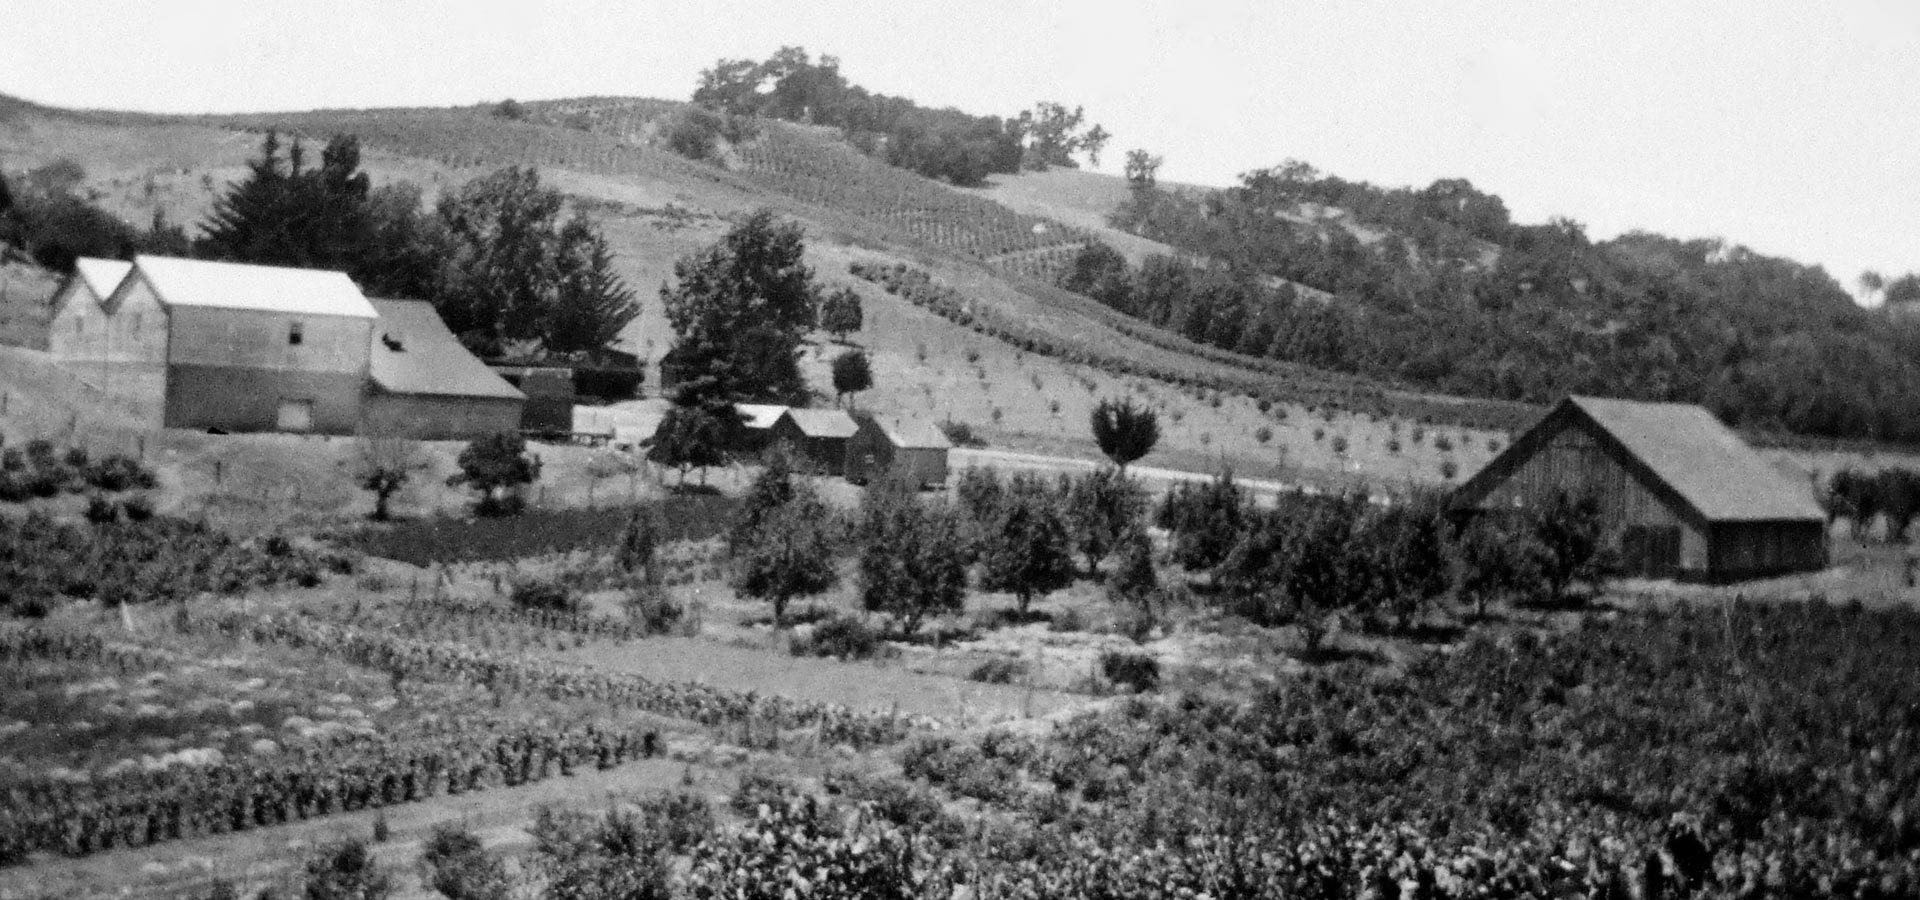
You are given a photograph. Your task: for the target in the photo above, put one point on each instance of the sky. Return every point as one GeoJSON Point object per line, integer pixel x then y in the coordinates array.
{"type": "Point", "coordinates": [1790, 127]}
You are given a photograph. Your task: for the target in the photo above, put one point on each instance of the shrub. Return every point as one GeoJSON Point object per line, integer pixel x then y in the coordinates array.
{"type": "Point", "coordinates": [1263, 434]}
{"type": "Point", "coordinates": [1067, 621]}
{"type": "Point", "coordinates": [1264, 405]}
{"type": "Point", "coordinates": [458, 866]}
{"type": "Point", "coordinates": [841, 637]}
{"type": "Point", "coordinates": [681, 820]}
{"type": "Point", "coordinates": [544, 595]}
{"type": "Point", "coordinates": [1393, 445]}
{"type": "Point", "coordinates": [653, 609]}
{"type": "Point", "coordinates": [1137, 671]}
{"type": "Point", "coordinates": [346, 871]}
{"type": "Point", "coordinates": [102, 511]}
{"type": "Point", "coordinates": [1448, 469]}
{"type": "Point", "coordinates": [1443, 443]}
{"type": "Point", "coordinates": [760, 787]}
{"type": "Point", "coordinates": [1340, 443]}
{"type": "Point", "coordinates": [960, 434]}
{"type": "Point", "coordinates": [137, 508]}
{"type": "Point", "coordinates": [118, 473]}
{"type": "Point", "coordinates": [998, 671]}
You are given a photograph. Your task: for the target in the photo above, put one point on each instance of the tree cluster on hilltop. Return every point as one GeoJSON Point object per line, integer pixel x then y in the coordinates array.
{"type": "Point", "coordinates": [46, 217]}
{"type": "Point", "coordinates": [1438, 288]}
{"type": "Point", "coordinates": [945, 144]}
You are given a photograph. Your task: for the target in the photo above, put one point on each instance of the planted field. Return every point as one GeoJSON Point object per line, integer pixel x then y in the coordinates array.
{"type": "Point", "coordinates": [538, 532]}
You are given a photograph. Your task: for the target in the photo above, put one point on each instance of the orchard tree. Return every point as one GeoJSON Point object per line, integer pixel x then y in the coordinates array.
{"type": "Point", "coordinates": [739, 310]}
{"type": "Point", "coordinates": [851, 374]}
{"type": "Point", "coordinates": [1102, 507]}
{"type": "Point", "coordinates": [913, 561]}
{"type": "Point", "coordinates": [499, 467]}
{"type": "Point", "coordinates": [1124, 430]}
{"type": "Point", "coordinates": [788, 554]}
{"type": "Point", "coordinates": [1030, 549]}
{"type": "Point", "coordinates": [385, 466]}
{"type": "Point", "coordinates": [690, 437]}
{"type": "Point", "coordinates": [840, 313]}
{"type": "Point", "coordinates": [1572, 534]}
{"type": "Point", "coordinates": [772, 489]}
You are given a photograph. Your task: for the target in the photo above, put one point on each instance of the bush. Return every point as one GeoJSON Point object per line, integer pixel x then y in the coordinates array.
{"type": "Point", "coordinates": [760, 787]}
{"type": "Point", "coordinates": [960, 434]}
{"type": "Point", "coordinates": [998, 671]}
{"type": "Point", "coordinates": [544, 595]}
{"type": "Point", "coordinates": [1137, 671]}
{"type": "Point", "coordinates": [117, 473]}
{"type": "Point", "coordinates": [653, 609]}
{"type": "Point", "coordinates": [841, 637]}
{"type": "Point", "coordinates": [137, 508]}
{"type": "Point", "coordinates": [680, 820]}
{"type": "Point", "coordinates": [102, 511]}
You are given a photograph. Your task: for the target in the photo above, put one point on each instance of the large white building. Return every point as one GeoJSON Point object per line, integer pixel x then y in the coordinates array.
{"type": "Point", "coordinates": [262, 348]}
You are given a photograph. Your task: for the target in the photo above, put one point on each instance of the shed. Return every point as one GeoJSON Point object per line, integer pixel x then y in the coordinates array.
{"type": "Point", "coordinates": [755, 431]}
{"type": "Point", "coordinates": [818, 437]}
{"type": "Point", "coordinates": [550, 397]}
{"type": "Point", "coordinates": [911, 450]}
{"type": "Point", "coordinates": [1680, 493]}
{"type": "Point", "coordinates": [427, 386]}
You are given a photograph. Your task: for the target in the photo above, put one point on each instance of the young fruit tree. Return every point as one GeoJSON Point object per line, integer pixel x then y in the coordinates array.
{"type": "Point", "coordinates": [1030, 551]}
{"type": "Point", "coordinates": [1102, 507]}
{"type": "Point", "coordinates": [499, 467]}
{"type": "Point", "coordinates": [385, 465]}
{"type": "Point", "coordinates": [1124, 430]}
{"type": "Point", "coordinates": [913, 563]}
{"type": "Point", "coordinates": [789, 554]}
{"type": "Point", "coordinates": [851, 374]}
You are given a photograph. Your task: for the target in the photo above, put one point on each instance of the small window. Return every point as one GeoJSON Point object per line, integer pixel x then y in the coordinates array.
{"type": "Point", "coordinates": [79, 325]}
{"type": "Point", "coordinates": [133, 321]}
{"type": "Point", "coordinates": [294, 334]}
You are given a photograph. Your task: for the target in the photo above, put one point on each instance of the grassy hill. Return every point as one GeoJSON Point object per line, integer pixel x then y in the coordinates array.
{"type": "Point", "coordinates": [606, 155]}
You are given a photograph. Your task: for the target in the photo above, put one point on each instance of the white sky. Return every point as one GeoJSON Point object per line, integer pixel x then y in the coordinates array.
{"type": "Point", "coordinates": [1792, 127]}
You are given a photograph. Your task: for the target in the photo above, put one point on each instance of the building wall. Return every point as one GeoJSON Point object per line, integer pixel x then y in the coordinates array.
{"type": "Point", "coordinates": [428, 418]}
{"type": "Point", "coordinates": [123, 352]}
{"type": "Point", "coordinates": [249, 399]}
{"type": "Point", "coordinates": [869, 453]}
{"type": "Point", "coordinates": [1752, 549]}
{"type": "Point", "coordinates": [818, 455]}
{"type": "Point", "coordinates": [1573, 460]}
{"type": "Point", "coordinates": [256, 339]}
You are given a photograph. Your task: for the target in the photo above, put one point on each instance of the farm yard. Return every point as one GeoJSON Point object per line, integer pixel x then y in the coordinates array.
{"type": "Point", "coordinates": [1262, 656]}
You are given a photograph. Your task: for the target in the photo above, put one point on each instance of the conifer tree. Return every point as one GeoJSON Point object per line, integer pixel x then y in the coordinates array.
{"type": "Point", "coordinates": [590, 304]}
{"type": "Point", "coordinates": [851, 373]}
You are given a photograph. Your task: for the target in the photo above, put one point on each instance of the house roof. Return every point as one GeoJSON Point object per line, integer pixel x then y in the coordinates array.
{"type": "Point", "coordinates": [914, 434]}
{"type": "Point", "coordinates": [823, 423]}
{"type": "Point", "coordinates": [101, 276]}
{"type": "Point", "coordinates": [308, 292]}
{"type": "Point", "coordinates": [414, 353]}
{"type": "Point", "coordinates": [759, 415]}
{"type": "Point", "coordinates": [1702, 460]}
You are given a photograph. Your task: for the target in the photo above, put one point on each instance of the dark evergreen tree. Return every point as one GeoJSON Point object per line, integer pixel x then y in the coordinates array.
{"type": "Point", "coordinates": [691, 437]}
{"type": "Point", "coordinates": [1124, 430]}
{"type": "Point", "coordinates": [590, 304]}
{"type": "Point", "coordinates": [285, 214]}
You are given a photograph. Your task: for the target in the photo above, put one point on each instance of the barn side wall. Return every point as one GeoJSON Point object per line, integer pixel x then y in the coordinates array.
{"type": "Point", "coordinates": [256, 339]}
{"type": "Point", "coordinates": [1754, 549]}
{"type": "Point", "coordinates": [428, 418]}
{"type": "Point", "coordinates": [248, 399]}
{"type": "Point", "coordinates": [1573, 460]}
{"type": "Point", "coordinates": [123, 353]}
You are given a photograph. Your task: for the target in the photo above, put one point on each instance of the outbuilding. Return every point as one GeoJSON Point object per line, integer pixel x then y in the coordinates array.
{"type": "Point", "coordinates": [427, 386]}
{"type": "Point", "coordinates": [549, 397]}
{"type": "Point", "coordinates": [818, 437]}
{"type": "Point", "coordinates": [1681, 494]}
{"type": "Point", "coordinates": [909, 450]}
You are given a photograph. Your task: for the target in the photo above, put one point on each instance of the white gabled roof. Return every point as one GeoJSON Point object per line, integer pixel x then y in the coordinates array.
{"type": "Point", "coordinates": [759, 415]}
{"type": "Point", "coordinates": [310, 292]}
{"type": "Point", "coordinates": [101, 276]}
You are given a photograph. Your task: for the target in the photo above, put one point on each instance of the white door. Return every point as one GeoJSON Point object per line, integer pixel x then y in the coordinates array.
{"type": "Point", "coordinates": [296, 415]}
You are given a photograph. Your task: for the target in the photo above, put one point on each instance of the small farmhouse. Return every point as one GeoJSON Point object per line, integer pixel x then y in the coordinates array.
{"type": "Point", "coordinates": [426, 386]}
{"type": "Point", "coordinates": [755, 430]}
{"type": "Point", "coordinates": [818, 438]}
{"type": "Point", "coordinates": [912, 451]}
{"type": "Point", "coordinates": [1681, 493]}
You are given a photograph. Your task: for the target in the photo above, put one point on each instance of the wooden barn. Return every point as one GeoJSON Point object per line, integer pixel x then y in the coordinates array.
{"type": "Point", "coordinates": [754, 431]}
{"type": "Point", "coordinates": [818, 437]}
{"type": "Point", "coordinates": [913, 451]}
{"type": "Point", "coordinates": [1682, 495]}
{"type": "Point", "coordinates": [221, 345]}
{"type": "Point", "coordinates": [426, 386]}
